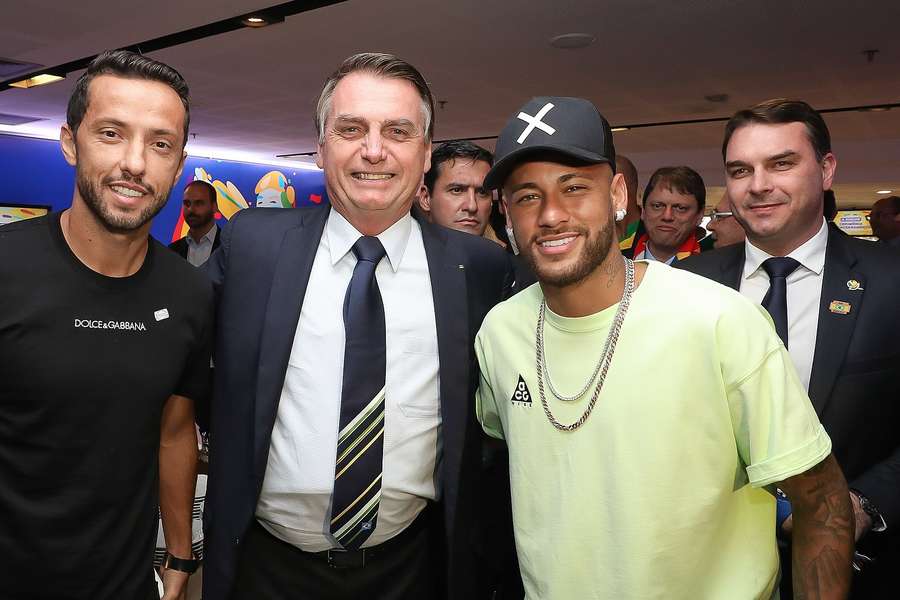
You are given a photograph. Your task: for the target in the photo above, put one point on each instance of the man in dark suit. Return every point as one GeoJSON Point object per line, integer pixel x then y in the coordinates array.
{"type": "Point", "coordinates": [199, 209]}
{"type": "Point", "coordinates": [833, 300]}
{"type": "Point", "coordinates": [345, 450]}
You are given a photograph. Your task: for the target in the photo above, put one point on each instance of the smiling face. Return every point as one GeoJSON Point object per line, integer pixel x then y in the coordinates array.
{"type": "Point", "coordinates": [775, 182]}
{"type": "Point", "coordinates": [562, 217]}
{"type": "Point", "coordinates": [374, 152]}
{"type": "Point", "coordinates": [127, 152]}
{"type": "Point", "coordinates": [459, 201]}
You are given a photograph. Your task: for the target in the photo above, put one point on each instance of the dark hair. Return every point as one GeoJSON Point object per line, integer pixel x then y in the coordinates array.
{"type": "Point", "coordinates": [829, 205]}
{"type": "Point", "coordinates": [683, 180]}
{"type": "Point", "coordinates": [779, 111]}
{"type": "Point", "coordinates": [210, 189]}
{"type": "Point", "coordinates": [451, 151]}
{"type": "Point", "coordinates": [383, 65]}
{"type": "Point", "coordinates": [123, 63]}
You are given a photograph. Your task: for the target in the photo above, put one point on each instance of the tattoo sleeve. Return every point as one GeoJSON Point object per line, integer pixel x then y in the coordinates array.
{"type": "Point", "coordinates": [822, 532]}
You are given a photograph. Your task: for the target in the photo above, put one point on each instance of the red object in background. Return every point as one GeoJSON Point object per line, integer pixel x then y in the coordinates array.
{"type": "Point", "coordinates": [176, 232]}
{"type": "Point", "coordinates": [315, 198]}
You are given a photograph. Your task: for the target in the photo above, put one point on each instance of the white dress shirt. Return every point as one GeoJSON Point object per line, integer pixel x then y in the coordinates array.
{"type": "Point", "coordinates": [649, 256]}
{"type": "Point", "coordinates": [804, 290]}
{"type": "Point", "coordinates": [198, 252]}
{"type": "Point", "coordinates": [299, 481]}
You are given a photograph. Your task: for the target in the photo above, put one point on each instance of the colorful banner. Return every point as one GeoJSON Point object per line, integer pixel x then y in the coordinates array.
{"type": "Point", "coordinates": [33, 172]}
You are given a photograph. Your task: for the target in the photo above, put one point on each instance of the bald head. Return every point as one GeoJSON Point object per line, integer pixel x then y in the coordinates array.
{"type": "Point", "coordinates": [885, 218]}
{"type": "Point", "coordinates": [626, 168]}
{"type": "Point", "coordinates": [632, 211]}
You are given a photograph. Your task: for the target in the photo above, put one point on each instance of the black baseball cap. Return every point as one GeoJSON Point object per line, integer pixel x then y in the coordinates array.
{"type": "Point", "coordinates": [569, 126]}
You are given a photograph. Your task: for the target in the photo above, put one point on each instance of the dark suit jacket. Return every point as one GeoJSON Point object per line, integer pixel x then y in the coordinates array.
{"type": "Point", "coordinates": [260, 275]}
{"type": "Point", "coordinates": [181, 246]}
{"type": "Point", "coordinates": [855, 380]}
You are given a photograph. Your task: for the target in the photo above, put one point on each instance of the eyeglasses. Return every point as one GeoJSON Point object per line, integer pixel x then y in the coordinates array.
{"type": "Point", "coordinates": [718, 216]}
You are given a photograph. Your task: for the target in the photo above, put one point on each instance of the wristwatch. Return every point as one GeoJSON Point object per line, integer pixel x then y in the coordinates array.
{"type": "Point", "coordinates": [185, 565]}
{"type": "Point", "coordinates": [878, 522]}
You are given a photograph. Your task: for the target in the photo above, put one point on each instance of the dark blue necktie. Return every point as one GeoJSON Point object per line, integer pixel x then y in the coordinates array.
{"type": "Point", "coordinates": [357, 474]}
{"type": "Point", "coordinates": [775, 301]}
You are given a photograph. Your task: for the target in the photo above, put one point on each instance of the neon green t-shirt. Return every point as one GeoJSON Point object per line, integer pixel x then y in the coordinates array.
{"type": "Point", "coordinates": [660, 493]}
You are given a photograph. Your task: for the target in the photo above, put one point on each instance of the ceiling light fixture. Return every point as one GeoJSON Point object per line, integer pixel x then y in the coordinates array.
{"type": "Point", "coordinates": [41, 79]}
{"type": "Point", "coordinates": [254, 21]}
{"type": "Point", "coordinates": [884, 191]}
{"type": "Point", "coordinates": [615, 129]}
{"type": "Point", "coordinates": [572, 41]}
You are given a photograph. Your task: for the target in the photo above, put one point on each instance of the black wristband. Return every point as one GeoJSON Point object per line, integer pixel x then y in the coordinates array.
{"type": "Point", "coordinates": [185, 565]}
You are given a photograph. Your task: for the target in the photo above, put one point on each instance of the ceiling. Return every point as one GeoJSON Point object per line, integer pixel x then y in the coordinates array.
{"type": "Point", "coordinates": [254, 89]}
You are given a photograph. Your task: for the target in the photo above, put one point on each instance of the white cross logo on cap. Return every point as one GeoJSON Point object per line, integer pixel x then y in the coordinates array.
{"type": "Point", "coordinates": [535, 123]}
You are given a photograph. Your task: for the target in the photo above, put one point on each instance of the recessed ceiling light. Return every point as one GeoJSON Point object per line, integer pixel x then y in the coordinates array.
{"type": "Point", "coordinates": [884, 191]}
{"type": "Point", "coordinates": [255, 21]}
{"type": "Point", "coordinates": [572, 41]}
{"type": "Point", "coordinates": [42, 79]}
{"type": "Point", "coordinates": [615, 129]}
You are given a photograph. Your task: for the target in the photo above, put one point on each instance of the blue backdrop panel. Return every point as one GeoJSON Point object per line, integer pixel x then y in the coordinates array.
{"type": "Point", "coordinates": [33, 171]}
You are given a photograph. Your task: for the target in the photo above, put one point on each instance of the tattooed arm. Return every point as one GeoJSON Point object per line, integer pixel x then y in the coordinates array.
{"type": "Point", "coordinates": [822, 532]}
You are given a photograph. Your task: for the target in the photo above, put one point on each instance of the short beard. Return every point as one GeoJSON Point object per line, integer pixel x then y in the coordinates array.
{"type": "Point", "coordinates": [119, 223]}
{"type": "Point", "coordinates": [596, 248]}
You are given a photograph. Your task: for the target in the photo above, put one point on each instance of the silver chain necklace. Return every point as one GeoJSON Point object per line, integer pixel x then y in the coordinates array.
{"type": "Point", "coordinates": [609, 348]}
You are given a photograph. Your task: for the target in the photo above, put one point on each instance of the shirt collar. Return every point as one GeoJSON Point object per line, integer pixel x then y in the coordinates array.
{"type": "Point", "coordinates": [811, 254]}
{"type": "Point", "coordinates": [342, 235]}
{"type": "Point", "coordinates": [649, 256]}
{"type": "Point", "coordinates": [209, 235]}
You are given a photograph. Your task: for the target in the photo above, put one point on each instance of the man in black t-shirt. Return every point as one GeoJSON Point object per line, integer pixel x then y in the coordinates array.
{"type": "Point", "coordinates": [104, 346]}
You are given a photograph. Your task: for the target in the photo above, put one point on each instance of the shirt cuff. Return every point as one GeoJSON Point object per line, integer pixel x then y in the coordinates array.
{"type": "Point", "coordinates": [787, 465]}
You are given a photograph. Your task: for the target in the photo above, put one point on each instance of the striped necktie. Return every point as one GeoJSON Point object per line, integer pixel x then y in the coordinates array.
{"type": "Point", "coordinates": [357, 475]}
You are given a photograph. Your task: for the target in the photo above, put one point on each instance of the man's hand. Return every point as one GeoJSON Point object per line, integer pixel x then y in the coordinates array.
{"type": "Point", "coordinates": [174, 584]}
{"type": "Point", "coordinates": [822, 524]}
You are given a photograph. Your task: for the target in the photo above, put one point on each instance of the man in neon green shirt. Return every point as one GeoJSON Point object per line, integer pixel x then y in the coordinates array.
{"type": "Point", "coordinates": [638, 471]}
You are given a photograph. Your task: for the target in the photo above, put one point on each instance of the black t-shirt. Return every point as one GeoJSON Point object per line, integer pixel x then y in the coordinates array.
{"type": "Point", "coordinates": [86, 364]}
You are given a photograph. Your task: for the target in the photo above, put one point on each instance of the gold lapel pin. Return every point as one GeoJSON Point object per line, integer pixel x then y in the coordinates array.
{"type": "Point", "coordinates": [839, 307]}
{"type": "Point", "coordinates": [853, 285]}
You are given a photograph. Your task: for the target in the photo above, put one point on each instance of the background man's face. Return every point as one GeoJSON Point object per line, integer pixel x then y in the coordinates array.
{"type": "Point", "coordinates": [670, 216]}
{"type": "Point", "coordinates": [726, 230]}
{"type": "Point", "coordinates": [458, 200]}
{"type": "Point", "coordinates": [884, 221]}
{"type": "Point", "coordinates": [197, 207]}
{"type": "Point", "coordinates": [775, 183]}
{"type": "Point", "coordinates": [375, 152]}
{"type": "Point", "coordinates": [128, 150]}
{"type": "Point", "coordinates": [562, 217]}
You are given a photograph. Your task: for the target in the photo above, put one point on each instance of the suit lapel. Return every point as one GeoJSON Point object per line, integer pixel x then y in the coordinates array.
{"type": "Point", "coordinates": [448, 288]}
{"type": "Point", "coordinates": [732, 266]}
{"type": "Point", "coordinates": [834, 329]}
{"type": "Point", "coordinates": [289, 280]}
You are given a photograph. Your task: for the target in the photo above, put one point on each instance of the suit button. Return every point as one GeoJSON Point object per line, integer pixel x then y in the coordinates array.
{"type": "Point", "coordinates": [237, 541]}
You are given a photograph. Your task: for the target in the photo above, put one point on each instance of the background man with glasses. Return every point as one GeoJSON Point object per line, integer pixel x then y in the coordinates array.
{"type": "Point", "coordinates": [725, 229]}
